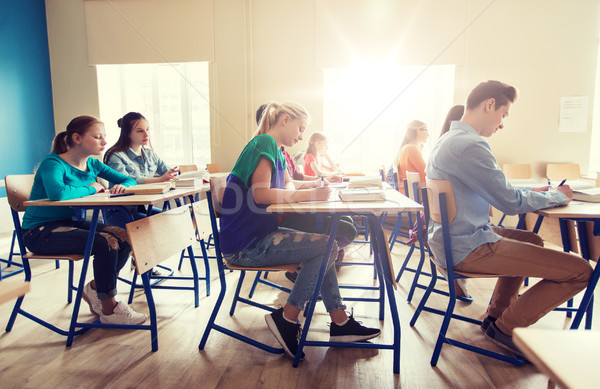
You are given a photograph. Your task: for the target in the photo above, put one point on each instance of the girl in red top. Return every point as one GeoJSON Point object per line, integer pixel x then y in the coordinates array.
{"type": "Point", "coordinates": [316, 161]}
{"type": "Point", "coordinates": [409, 156]}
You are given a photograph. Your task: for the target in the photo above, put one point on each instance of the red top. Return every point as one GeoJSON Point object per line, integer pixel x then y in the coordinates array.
{"type": "Point", "coordinates": [308, 158]}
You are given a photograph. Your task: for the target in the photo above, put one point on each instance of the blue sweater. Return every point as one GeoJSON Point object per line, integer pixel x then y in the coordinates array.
{"type": "Point", "coordinates": [57, 180]}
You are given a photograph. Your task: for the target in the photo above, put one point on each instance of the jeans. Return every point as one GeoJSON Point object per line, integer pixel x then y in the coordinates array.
{"type": "Point", "coordinates": [286, 246]}
{"type": "Point", "coordinates": [110, 249]}
{"type": "Point", "coordinates": [346, 232]}
{"type": "Point", "coordinates": [115, 217]}
{"type": "Point", "coordinates": [521, 254]}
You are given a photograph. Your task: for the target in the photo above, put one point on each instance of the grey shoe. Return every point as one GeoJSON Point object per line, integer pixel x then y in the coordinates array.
{"type": "Point", "coordinates": [485, 323]}
{"type": "Point", "coordinates": [502, 340]}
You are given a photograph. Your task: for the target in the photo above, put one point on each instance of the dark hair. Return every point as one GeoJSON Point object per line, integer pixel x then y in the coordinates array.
{"type": "Point", "coordinates": [80, 125]}
{"type": "Point", "coordinates": [499, 91]}
{"type": "Point", "coordinates": [126, 124]}
{"type": "Point", "coordinates": [260, 112]}
{"type": "Point", "coordinates": [455, 113]}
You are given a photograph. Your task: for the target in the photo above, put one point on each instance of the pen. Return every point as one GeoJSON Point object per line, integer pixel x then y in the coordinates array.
{"type": "Point", "coordinates": [562, 182]}
{"type": "Point", "coordinates": [121, 195]}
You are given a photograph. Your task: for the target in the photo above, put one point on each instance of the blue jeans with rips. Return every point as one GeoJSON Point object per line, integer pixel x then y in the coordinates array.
{"type": "Point", "coordinates": [286, 246]}
{"type": "Point", "coordinates": [110, 249]}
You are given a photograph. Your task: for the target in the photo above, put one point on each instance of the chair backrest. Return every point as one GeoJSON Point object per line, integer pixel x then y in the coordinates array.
{"type": "Point", "coordinates": [560, 171]}
{"type": "Point", "coordinates": [202, 219]}
{"type": "Point", "coordinates": [517, 170]}
{"type": "Point", "coordinates": [158, 237]}
{"type": "Point", "coordinates": [188, 168]}
{"type": "Point", "coordinates": [18, 189]}
{"type": "Point", "coordinates": [434, 189]}
{"type": "Point", "coordinates": [214, 167]}
{"type": "Point", "coordinates": [593, 242]}
{"type": "Point", "coordinates": [413, 178]}
{"type": "Point", "coordinates": [217, 189]}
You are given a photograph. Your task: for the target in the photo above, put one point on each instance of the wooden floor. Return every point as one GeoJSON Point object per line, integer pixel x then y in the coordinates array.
{"type": "Point", "coordinates": [34, 357]}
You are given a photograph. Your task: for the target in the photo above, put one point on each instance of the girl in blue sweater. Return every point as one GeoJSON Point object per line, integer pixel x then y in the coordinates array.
{"type": "Point", "coordinates": [69, 172]}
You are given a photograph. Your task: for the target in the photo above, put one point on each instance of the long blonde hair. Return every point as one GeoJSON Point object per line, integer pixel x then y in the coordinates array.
{"type": "Point", "coordinates": [273, 112]}
{"type": "Point", "coordinates": [410, 136]}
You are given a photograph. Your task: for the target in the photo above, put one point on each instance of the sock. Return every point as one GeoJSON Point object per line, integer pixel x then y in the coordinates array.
{"type": "Point", "coordinates": [344, 323]}
{"type": "Point", "coordinates": [288, 320]}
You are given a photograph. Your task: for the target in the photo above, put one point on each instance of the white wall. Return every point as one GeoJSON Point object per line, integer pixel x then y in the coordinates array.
{"type": "Point", "coordinates": [267, 50]}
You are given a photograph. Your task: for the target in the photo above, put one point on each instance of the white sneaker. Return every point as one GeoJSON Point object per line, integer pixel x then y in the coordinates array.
{"type": "Point", "coordinates": [123, 314]}
{"type": "Point", "coordinates": [91, 297]}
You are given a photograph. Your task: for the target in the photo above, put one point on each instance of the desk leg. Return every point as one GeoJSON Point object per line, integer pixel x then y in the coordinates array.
{"type": "Point", "coordinates": [333, 225]}
{"type": "Point", "coordinates": [588, 297]}
{"type": "Point", "coordinates": [86, 261]}
{"type": "Point", "coordinates": [387, 278]}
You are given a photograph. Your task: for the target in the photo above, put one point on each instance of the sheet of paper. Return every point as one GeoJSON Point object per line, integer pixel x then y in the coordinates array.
{"type": "Point", "coordinates": [573, 114]}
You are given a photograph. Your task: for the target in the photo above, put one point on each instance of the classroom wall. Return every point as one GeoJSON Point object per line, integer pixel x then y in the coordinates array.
{"type": "Point", "coordinates": [26, 114]}
{"type": "Point", "coordinates": [273, 50]}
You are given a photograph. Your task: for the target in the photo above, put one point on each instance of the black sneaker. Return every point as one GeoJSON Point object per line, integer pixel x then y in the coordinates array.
{"type": "Point", "coordinates": [352, 331]}
{"type": "Point", "coordinates": [502, 340]}
{"type": "Point", "coordinates": [291, 276]}
{"type": "Point", "coordinates": [287, 333]}
{"type": "Point", "coordinates": [485, 323]}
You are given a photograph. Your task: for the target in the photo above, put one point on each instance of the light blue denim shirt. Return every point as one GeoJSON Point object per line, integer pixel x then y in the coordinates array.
{"type": "Point", "coordinates": [138, 167]}
{"type": "Point", "coordinates": [465, 159]}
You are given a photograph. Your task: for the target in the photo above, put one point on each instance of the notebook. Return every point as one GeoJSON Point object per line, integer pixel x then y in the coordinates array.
{"type": "Point", "coordinates": [591, 195]}
{"type": "Point", "coordinates": [156, 188]}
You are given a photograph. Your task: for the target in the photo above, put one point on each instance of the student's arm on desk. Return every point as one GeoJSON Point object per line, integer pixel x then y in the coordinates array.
{"type": "Point", "coordinates": [264, 194]}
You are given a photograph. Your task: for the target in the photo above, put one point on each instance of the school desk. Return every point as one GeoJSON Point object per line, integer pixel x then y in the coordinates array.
{"type": "Point", "coordinates": [395, 202]}
{"type": "Point", "coordinates": [567, 357]}
{"type": "Point", "coordinates": [581, 213]}
{"type": "Point", "coordinates": [96, 203]}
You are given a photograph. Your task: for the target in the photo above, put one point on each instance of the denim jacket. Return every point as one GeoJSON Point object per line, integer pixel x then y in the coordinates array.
{"type": "Point", "coordinates": [138, 167]}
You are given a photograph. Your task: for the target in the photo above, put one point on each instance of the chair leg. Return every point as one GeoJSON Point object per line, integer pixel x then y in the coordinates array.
{"type": "Point", "coordinates": [70, 286]}
{"type": "Point", "coordinates": [256, 280]}
{"type": "Point", "coordinates": [194, 276]}
{"type": "Point", "coordinates": [152, 310]}
{"type": "Point", "coordinates": [206, 266]}
{"type": "Point", "coordinates": [426, 295]}
{"type": "Point", "coordinates": [405, 263]}
{"type": "Point", "coordinates": [17, 307]}
{"type": "Point", "coordinates": [181, 259]}
{"type": "Point", "coordinates": [133, 282]}
{"type": "Point", "coordinates": [417, 274]}
{"type": "Point", "coordinates": [215, 312]}
{"type": "Point", "coordinates": [237, 292]}
{"type": "Point", "coordinates": [444, 328]}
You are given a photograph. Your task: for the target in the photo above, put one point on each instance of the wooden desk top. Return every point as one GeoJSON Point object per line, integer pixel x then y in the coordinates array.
{"type": "Point", "coordinates": [575, 209]}
{"type": "Point", "coordinates": [10, 290]}
{"type": "Point", "coordinates": [100, 199]}
{"type": "Point", "coordinates": [395, 202]}
{"type": "Point", "coordinates": [567, 357]}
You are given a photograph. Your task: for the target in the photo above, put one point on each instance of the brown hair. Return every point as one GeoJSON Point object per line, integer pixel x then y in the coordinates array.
{"type": "Point", "coordinates": [80, 125]}
{"type": "Point", "coordinates": [314, 138]}
{"type": "Point", "coordinates": [126, 124]}
{"type": "Point", "coordinates": [273, 112]}
{"type": "Point", "coordinates": [455, 113]}
{"type": "Point", "coordinates": [499, 91]}
{"type": "Point", "coordinates": [409, 137]}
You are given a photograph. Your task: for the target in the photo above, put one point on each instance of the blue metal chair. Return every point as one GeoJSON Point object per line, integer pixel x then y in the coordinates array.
{"type": "Point", "coordinates": [216, 192]}
{"type": "Point", "coordinates": [18, 188]}
{"type": "Point", "coordinates": [9, 262]}
{"type": "Point", "coordinates": [418, 194]}
{"type": "Point", "coordinates": [154, 239]}
{"type": "Point", "coordinates": [441, 208]}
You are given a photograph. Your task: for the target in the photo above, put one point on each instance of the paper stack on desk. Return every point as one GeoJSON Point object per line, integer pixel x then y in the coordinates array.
{"type": "Point", "coordinates": [362, 194]}
{"type": "Point", "coordinates": [365, 182]}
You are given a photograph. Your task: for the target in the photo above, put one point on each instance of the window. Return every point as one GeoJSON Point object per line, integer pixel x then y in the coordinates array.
{"type": "Point", "coordinates": [174, 99]}
{"type": "Point", "coordinates": [366, 111]}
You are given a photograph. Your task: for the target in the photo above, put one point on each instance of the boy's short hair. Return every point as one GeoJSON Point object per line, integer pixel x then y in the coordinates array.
{"type": "Point", "coordinates": [501, 92]}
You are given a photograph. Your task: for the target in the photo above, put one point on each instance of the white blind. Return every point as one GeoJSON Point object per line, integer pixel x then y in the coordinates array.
{"type": "Point", "coordinates": [149, 31]}
{"type": "Point", "coordinates": [392, 31]}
